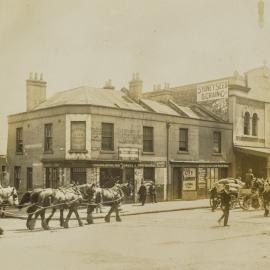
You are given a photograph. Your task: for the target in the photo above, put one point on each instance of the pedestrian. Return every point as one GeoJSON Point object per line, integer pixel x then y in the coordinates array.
{"type": "Point", "coordinates": [249, 178]}
{"type": "Point", "coordinates": [266, 199]}
{"type": "Point", "coordinates": [214, 198]}
{"type": "Point", "coordinates": [1, 231]}
{"type": "Point", "coordinates": [153, 193]}
{"type": "Point", "coordinates": [142, 193]}
{"type": "Point", "coordinates": [225, 198]}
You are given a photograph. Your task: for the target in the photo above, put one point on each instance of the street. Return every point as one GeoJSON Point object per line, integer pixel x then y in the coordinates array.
{"type": "Point", "coordinates": [175, 240]}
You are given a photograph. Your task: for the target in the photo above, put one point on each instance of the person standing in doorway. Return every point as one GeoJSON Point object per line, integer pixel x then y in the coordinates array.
{"type": "Point", "coordinates": [225, 204]}
{"type": "Point", "coordinates": [142, 193]}
{"type": "Point", "coordinates": [153, 193]}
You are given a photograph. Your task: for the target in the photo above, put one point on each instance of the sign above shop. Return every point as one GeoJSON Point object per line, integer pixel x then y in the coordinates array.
{"type": "Point", "coordinates": [128, 153]}
{"type": "Point", "coordinates": [213, 90]}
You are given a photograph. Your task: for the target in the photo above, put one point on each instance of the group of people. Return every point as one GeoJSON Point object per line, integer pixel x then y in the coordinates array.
{"type": "Point", "coordinates": [255, 184]}
{"type": "Point", "coordinates": [143, 193]}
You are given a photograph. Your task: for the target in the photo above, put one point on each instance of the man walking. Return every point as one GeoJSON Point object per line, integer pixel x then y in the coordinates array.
{"type": "Point", "coordinates": [142, 193]}
{"type": "Point", "coordinates": [249, 178]}
{"type": "Point", "coordinates": [225, 204]}
{"type": "Point", "coordinates": [153, 193]}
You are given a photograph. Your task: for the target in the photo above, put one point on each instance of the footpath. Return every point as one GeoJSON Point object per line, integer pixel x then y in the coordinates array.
{"type": "Point", "coordinates": [128, 209]}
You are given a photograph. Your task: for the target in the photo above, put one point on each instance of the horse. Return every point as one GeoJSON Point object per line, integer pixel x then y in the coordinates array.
{"type": "Point", "coordinates": [8, 197]}
{"type": "Point", "coordinates": [109, 197]}
{"type": "Point", "coordinates": [61, 198]}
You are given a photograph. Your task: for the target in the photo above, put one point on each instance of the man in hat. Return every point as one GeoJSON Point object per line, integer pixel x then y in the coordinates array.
{"type": "Point", "coordinates": [249, 178]}
{"type": "Point", "coordinates": [142, 193]}
{"type": "Point", "coordinates": [225, 204]}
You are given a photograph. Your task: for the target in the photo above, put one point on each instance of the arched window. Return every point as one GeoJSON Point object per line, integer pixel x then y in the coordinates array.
{"type": "Point", "coordinates": [255, 124]}
{"type": "Point", "coordinates": [247, 123]}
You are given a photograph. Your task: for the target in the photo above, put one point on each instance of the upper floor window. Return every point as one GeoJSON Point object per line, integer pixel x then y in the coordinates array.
{"type": "Point", "coordinates": [19, 140]}
{"type": "Point", "coordinates": [107, 134]}
{"type": "Point", "coordinates": [247, 123]}
{"type": "Point", "coordinates": [255, 124]}
{"type": "Point", "coordinates": [183, 139]}
{"type": "Point", "coordinates": [78, 136]}
{"type": "Point", "coordinates": [148, 139]}
{"type": "Point", "coordinates": [217, 142]}
{"type": "Point", "coordinates": [48, 137]}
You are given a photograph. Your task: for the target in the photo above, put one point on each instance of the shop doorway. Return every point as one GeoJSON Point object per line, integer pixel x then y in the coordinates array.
{"type": "Point", "coordinates": [177, 184]}
{"type": "Point", "coordinates": [109, 176]}
{"type": "Point", "coordinates": [78, 176]}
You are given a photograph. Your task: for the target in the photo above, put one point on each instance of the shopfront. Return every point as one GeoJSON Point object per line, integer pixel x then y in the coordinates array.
{"type": "Point", "coordinates": [193, 180]}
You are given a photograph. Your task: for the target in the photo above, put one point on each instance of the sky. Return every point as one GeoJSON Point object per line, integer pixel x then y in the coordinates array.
{"type": "Point", "coordinates": [86, 42]}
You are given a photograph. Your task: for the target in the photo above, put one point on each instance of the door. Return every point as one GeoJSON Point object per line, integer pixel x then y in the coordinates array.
{"type": "Point", "coordinates": [29, 178]}
{"type": "Point", "coordinates": [177, 184]}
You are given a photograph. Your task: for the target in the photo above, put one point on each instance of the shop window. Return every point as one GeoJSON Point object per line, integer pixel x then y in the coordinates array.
{"type": "Point", "coordinates": [19, 140]}
{"type": "Point", "coordinates": [52, 178]}
{"type": "Point", "coordinates": [255, 125]}
{"type": "Point", "coordinates": [29, 177]}
{"type": "Point", "coordinates": [149, 174]}
{"type": "Point", "coordinates": [217, 142]}
{"type": "Point", "coordinates": [148, 139]}
{"type": "Point", "coordinates": [246, 123]}
{"type": "Point", "coordinates": [48, 138]}
{"type": "Point", "coordinates": [107, 134]}
{"type": "Point", "coordinates": [183, 139]}
{"type": "Point", "coordinates": [78, 136]}
{"type": "Point", "coordinates": [17, 177]}
{"type": "Point", "coordinates": [78, 176]}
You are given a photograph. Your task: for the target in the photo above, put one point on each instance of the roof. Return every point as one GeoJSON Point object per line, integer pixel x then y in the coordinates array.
{"type": "Point", "coordinates": [91, 96]}
{"type": "Point", "coordinates": [86, 95]}
{"type": "Point", "coordinates": [261, 151]}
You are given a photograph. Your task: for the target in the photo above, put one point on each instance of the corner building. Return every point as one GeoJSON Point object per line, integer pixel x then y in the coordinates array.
{"type": "Point", "coordinates": [99, 135]}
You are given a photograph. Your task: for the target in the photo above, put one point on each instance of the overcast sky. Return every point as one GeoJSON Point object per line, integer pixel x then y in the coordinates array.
{"type": "Point", "coordinates": [87, 42]}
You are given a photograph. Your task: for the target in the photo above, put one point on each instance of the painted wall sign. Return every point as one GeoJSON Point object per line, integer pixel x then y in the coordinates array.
{"type": "Point", "coordinates": [78, 135]}
{"type": "Point", "coordinates": [212, 91]}
{"type": "Point", "coordinates": [128, 153]}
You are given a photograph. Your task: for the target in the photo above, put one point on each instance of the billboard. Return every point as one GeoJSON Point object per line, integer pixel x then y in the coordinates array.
{"type": "Point", "coordinates": [212, 90]}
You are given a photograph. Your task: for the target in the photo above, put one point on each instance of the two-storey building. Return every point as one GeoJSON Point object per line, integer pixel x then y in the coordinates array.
{"type": "Point", "coordinates": [98, 135]}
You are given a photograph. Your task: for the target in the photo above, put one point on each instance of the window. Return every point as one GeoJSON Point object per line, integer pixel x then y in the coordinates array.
{"type": "Point", "coordinates": [148, 141]}
{"type": "Point", "coordinates": [48, 137]}
{"type": "Point", "coordinates": [17, 177]}
{"type": "Point", "coordinates": [183, 139]}
{"type": "Point", "coordinates": [19, 140]}
{"type": "Point", "coordinates": [217, 142]}
{"type": "Point", "coordinates": [107, 133]}
{"type": "Point", "coordinates": [52, 178]}
{"type": "Point", "coordinates": [78, 176]}
{"type": "Point", "coordinates": [247, 123]}
{"type": "Point", "coordinates": [255, 125]}
{"type": "Point", "coordinates": [149, 174]}
{"type": "Point", "coordinates": [78, 136]}
{"type": "Point", "coordinates": [29, 176]}
{"type": "Point", "coordinates": [3, 168]}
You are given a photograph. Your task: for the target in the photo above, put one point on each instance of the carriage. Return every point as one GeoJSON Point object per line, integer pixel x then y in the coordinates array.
{"type": "Point", "coordinates": [246, 198]}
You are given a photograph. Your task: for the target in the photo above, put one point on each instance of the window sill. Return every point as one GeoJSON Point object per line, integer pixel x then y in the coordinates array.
{"type": "Point", "coordinates": [148, 153]}
{"type": "Point", "coordinates": [216, 154]}
{"type": "Point", "coordinates": [107, 151]}
{"type": "Point", "coordinates": [48, 152]}
{"type": "Point", "coordinates": [182, 152]}
{"type": "Point", "coordinates": [78, 151]}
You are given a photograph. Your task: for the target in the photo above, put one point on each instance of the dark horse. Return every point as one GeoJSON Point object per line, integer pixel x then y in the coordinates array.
{"type": "Point", "coordinates": [109, 197]}
{"type": "Point", "coordinates": [63, 198]}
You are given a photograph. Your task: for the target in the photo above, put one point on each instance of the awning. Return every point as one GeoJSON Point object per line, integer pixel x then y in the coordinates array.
{"type": "Point", "coordinates": [257, 151]}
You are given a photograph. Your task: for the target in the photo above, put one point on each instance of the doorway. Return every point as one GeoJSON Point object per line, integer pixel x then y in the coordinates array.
{"type": "Point", "coordinates": [177, 184]}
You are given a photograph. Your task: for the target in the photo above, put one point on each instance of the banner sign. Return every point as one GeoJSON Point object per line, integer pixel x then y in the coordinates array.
{"type": "Point", "coordinates": [128, 153]}
{"type": "Point", "coordinates": [212, 90]}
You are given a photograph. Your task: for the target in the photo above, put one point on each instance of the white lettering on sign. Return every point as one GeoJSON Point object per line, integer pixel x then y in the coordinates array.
{"type": "Point", "coordinates": [214, 90]}
{"type": "Point", "coordinates": [189, 178]}
{"type": "Point", "coordinates": [128, 153]}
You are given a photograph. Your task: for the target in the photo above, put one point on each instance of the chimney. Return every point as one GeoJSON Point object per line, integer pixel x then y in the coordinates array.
{"type": "Point", "coordinates": [35, 91]}
{"type": "Point", "coordinates": [108, 85]}
{"type": "Point", "coordinates": [135, 87]}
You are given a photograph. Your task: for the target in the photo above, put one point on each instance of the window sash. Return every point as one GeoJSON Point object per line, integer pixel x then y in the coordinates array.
{"type": "Point", "coordinates": [217, 142]}
{"type": "Point", "coordinates": [148, 139]}
{"type": "Point", "coordinates": [19, 140]}
{"type": "Point", "coordinates": [48, 137]}
{"type": "Point", "coordinates": [183, 139]}
{"type": "Point", "coordinates": [107, 134]}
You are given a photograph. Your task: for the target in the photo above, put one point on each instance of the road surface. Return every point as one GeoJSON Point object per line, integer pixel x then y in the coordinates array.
{"type": "Point", "coordinates": [183, 240]}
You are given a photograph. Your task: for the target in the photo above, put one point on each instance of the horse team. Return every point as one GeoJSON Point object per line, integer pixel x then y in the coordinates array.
{"type": "Point", "coordinates": [70, 198]}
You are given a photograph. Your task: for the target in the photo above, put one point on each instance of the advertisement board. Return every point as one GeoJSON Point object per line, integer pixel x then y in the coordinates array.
{"type": "Point", "coordinates": [189, 178]}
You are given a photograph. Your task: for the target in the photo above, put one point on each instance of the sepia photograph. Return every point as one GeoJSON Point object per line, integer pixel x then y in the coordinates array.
{"type": "Point", "coordinates": [134, 134]}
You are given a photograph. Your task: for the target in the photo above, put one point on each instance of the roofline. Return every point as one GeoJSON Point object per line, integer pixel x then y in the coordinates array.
{"type": "Point", "coordinates": [96, 106]}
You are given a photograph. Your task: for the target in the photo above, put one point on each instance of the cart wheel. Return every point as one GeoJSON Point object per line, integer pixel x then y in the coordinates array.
{"type": "Point", "coordinates": [247, 204]}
